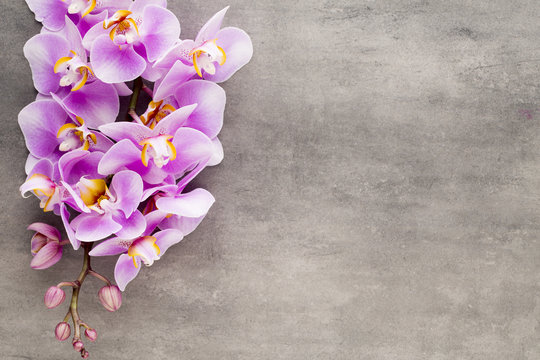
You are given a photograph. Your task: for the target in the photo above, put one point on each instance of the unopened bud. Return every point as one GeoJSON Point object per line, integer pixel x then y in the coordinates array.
{"type": "Point", "coordinates": [85, 354]}
{"type": "Point", "coordinates": [47, 256]}
{"type": "Point", "coordinates": [54, 297]}
{"type": "Point", "coordinates": [110, 297]}
{"type": "Point", "coordinates": [62, 331]}
{"type": "Point", "coordinates": [78, 345]}
{"type": "Point", "coordinates": [91, 334]}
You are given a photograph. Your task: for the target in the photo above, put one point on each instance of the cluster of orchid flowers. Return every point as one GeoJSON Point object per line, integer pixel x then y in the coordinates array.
{"type": "Point", "coordinates": [119, 186]}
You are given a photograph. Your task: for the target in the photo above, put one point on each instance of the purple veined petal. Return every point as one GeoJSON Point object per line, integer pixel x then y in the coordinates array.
{"type": "Point", "coordinates": [166, 239]}
{"type": "Point", "coordinates": [122, 89]}
{"type": "Point", "coordinates": [112, 246]}
{"type": "Point", "coordinates": [172, 122]}
{"type": "Point", "coordinates": [177, 75]}
{"type": "Point", "coordinates": [64, 214]}
{"type": "Point", "coordinates": [124, 155]}
{"type": "Point", "coordinates": [96, 227]}
{"type": "Point", "coordinates": [138, 5]}
{"type": "Point", "coordinates": [126, 130]}
{"type": "Point", "coordinates": [78, 163]}
{"type": "Point", "coordinates": [50, 13]}
{"type": "Point", "coordinates": [159, 30]}
{"type": "Point", "coordinates": [39, 122]}
{"type": "Point", "coordinates": [47, 256]}
{"type": "Point", "coordinates": [125, 270]}
{"type": "Point", "coordinates": [96, 103]}
{"type": "Point", "coordinates": [192, 204]}
{"type": "Point", "coordinates": [212, 26]}
{"type": "Point", "coordinates": [112, 64]}
{"type": "Point", "coordinates": [210, 99]}
{"type": "Point", "coordinates": [127, 187]}
{"type": "Point", "coordinates": [49, 231]}
{"type": "Point", "coordinates": [95, 31]}
{"type": "Point", "coordinates": [132, 226]}
{"type": "Point", "coordinates": [217, 155]}
{"type": "Point", "coordinates": [185, 225]}
{"type": "Point", "coordinates": [42, 52]}
{"type": "Point", "coordinates": [179, 52]}
{"type": "Point", "coordinates": [194, 149]}
{"type": "Point", "coordinates": [238, 47]}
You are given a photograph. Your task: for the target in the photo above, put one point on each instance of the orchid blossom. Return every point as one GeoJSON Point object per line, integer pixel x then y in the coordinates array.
{"type": "Point", "coordinates": [120, 187]}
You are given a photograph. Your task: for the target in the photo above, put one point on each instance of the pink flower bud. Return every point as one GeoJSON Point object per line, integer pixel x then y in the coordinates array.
{"type": "Point", "coordinates": [62, 331]}
{"type": "Point", "coordinates": [91, 334]}
{"type": "Point", "coordinates": [110, 297]}
{"type": "Point", "coordinates": [38, 241]}
{"type": "Point", "coordinates": [78, 345]}
{"type": "Point", "coordinates": [47, 256]}
{"type": "Point", "coordinates": [85, 354]}
{"type": "Point", "coordinates": [54, 297]}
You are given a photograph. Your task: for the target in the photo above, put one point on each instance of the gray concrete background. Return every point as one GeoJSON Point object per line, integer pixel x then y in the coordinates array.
{"type": "Point", "coordinates": [378, 198]}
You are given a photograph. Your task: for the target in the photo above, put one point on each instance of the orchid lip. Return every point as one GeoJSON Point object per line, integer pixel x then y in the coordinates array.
{"type": "Point", "coordinates": [124, 29]}
{"type": "Point", "coordinates": [76, 136]}
{"type": "Point", "coordinates": [44, 188]}
{"type": "Point", "coordinates": [146, 249]}
{"type": "Point", "coordinates": [206, 55]}
{"type": "Point", "coordinates": [74, 71]}
{"type": "Point", "coordinates": [95, 194]}
{"type": "Point", "coordinates": [159, 148]}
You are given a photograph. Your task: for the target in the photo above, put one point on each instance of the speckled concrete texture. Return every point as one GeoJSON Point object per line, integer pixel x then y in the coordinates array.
{"type": "Point", "coordinates": [378, 199]}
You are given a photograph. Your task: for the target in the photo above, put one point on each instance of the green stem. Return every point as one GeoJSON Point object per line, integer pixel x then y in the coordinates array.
{"type": "Point", "coordinates": [76, 289]}
{"type": "Point", "coordinates": [137, 86]}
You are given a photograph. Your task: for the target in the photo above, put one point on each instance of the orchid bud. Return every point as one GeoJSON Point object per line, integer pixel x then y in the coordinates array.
{"type": "Point", "coordinates": [47, 256]}
{"type": "Point", "coordinates": [91, 334]}
{"type": "Point", "coordinates": [62, 331]}
{"type": "Point", "coordinates": [85, 354]}
{"type": "Point", "coordinates": [110, 297]}
{"type": "Point", "coordinates": [78, 345]}
{"type": "Point", "coordinates": [54, 297]}
{"type": "Point", "coordinates": [45, 246]}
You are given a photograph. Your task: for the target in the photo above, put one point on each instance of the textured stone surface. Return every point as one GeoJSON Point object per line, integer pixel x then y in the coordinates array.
{"type": "Point", "coordinates": [378, 198]}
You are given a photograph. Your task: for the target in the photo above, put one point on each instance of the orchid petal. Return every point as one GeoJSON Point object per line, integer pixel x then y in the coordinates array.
{"type": "Point", "coordinates": [113, 246]}
{"type": "Point", "coordinates": [127, 186]}
{"type": "Point", "coordinates": [132, 226]}
{"type": "Point", "coordinates": [210, 99]}
{"type": "Point", "coordinates": [47, 256]}
{"type": "Point", "coordinates": [212, 26]}
{"type": "Point", "coordinates": [177, 75]}
{"type": "Point", "coordinates": [42, 51]}
{"type": "Point", "coordinates": [167, 238]}
{"type": "Point", "coordinates": [97, 103]}
{"type": "Point", "coordinates": [192, 204]}
{"type": "Point", "coordinates": [39, 122]}
{"type": "Point", "coordinates": [96, 227]}
{"type": "Point", "coordinates": [50, 13]}
{"type": "Point", "coordinates": [49, 231]}
{"type": "Point", "coordinates": [125, 270]}
{"type": "Point", "coordinates": [112, 64]}
{"type": "Point", "coordinates": [159, 30]}
{"type": "Point", "coordinates": [236, 43]}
